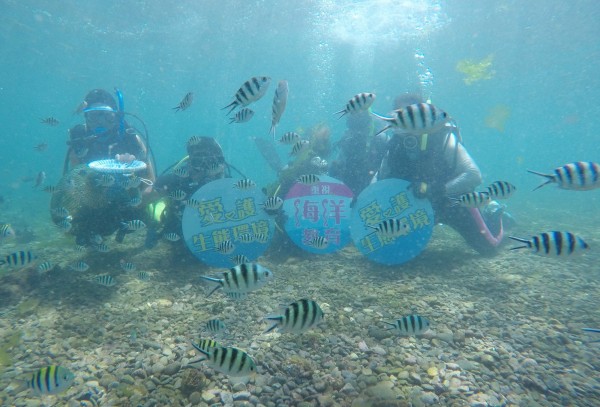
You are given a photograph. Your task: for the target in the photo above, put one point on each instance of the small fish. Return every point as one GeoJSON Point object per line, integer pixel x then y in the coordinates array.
{"type": "Point", "coordinates": [171, 236]}
{"type": "Point", "coordinates": [215, 325]}
{"type": "Point", "coordinates": [105, 180]}
{"type": "Point", "coordinates": [242, 278]}
{"type": "Point", "coordinates": [41, 147]}
{"type": "Point", "coordinates": [300, 145]}
{"type": "Point", "coordinates": [45, 267]}
{"type": "Point", "coordinates": [177, 195]}
{"type": "Point", "coordinates": [246, 238]}
{"type": "Point", "coordinates": [318, 242]}
{"type": "Point", "coordinates": [102, 248]}
{"type": "Point", "coordinates": [207, 344]}
{"type": "Point", "coordinates": [50, 380]}
{"type": "Point", "coordinates": [308, 179]}
{"type": "Point", "coordinates": [279, 103]}
{"type": "Point", "coordinates": [80, 248]}
{"type": "Point", "coordinates": [290, 138]}
{"type": "Point", "coordinates": [131, 182]}
{"type": "Point", "coordinates": [553, 244]}
{"type": "Point", "coordinates": [418, 118]}
{"type": "Point", "coordinates": [79, 266]}
{"type": "Point", "coordinates": [242, 116]}
{"type": "Point", "coordinates": [50, 189]}
{"type": "Point", "coordinates": [127, 266]}
{"type": "Point", "coordinates": [577, 176]}
{"type": "Point", "coordinates": [215, 168]}
{"type": "Point", "coordinates": [501, 190]}
{"type": "Point", "coordinates": [60, 212]}
{"type": "Point", "coordinates": [143, 275]}
{"type": "Point", "coordinates": [50, 121]}
{"type": "Point", "coordinates": [193, 203]}
{"type": "Point", "coordinates": [261, 238]}
{"type": "Point", "coordinates": [64, 225]}
{"type": "Point", "coordinates": [244, 184]}
{"type": "Point", "coordinates": [236, 296]}
{"type": "Point", "coordinates": [391, 228]}
{"type": "Point", "coordinates": [225, 247]}
{"type": "Point", "coordinates": [297, 317]}
{"type": "Point", "coordinates": [251, 91]}
{"type": "Point", "coordinates": [105, 279]}
{"type": "Point", "coordinates": [358, 103]}
{"type": "Point", "coordinates": [193, 141]}
{"type": "Point", "coordinates": [185, 102]}
{"type": "Point", "coordinates": [239, 259]}
{"type": "Point", "coordinates": [472, 199]}
{"type": "Point", "coordinates": [18, 259]}
{"type": "Point", "coordinates": [409, 325]}
{"type": "Point", "coordinates": [230, 361]}
{"type": "Point", "coordinates": [273, 203]}
{"type": "Point", "coordinates": [40, 179]}
{"type": "Point", "coordinates": [134, 202]}
{"type": "Point", "coordinates": [6, 231]}
{"type": "Point", "coordinates": [133, 225]}
{"type": "Point", "coordinates": [181, 172]}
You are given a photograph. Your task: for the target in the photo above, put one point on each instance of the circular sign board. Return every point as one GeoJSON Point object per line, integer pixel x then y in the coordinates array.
{"type": "Point", "coordinates": [116, 167]}
{"type": "Point", "coordinates": [318, 215]}
{"type": "Point", "coordinates": [389, 225]}
{"type": "Point", "coordinates": [226, 223]}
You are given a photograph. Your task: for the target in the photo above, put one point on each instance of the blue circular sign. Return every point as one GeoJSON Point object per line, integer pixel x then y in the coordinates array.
{"type": "Point", "coordinates": [389, 225]}
{"type": "Point", "coordinates": [318, 215]}
{"type": "Point", "coordinates": [225, 223]}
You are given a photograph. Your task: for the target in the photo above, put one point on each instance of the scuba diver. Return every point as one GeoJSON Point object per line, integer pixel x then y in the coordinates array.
{"type": "Point", "coordinates": [439, 166]}
{"type": "Point", "coordinates": [204, 163]}
{"type": "Point", "coordinates": [92, 204]}
{"type": "Point", "coordinates": [353, 166]}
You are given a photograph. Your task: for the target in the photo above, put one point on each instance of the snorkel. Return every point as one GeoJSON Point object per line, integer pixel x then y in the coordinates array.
{"type": "Point", "coordinates": [120, 112]}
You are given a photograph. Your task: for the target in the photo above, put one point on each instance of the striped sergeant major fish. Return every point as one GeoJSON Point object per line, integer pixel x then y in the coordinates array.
{"type": "Point", "coordinates": [185, 102]}
{"type": "Point", "coordinates": [105, 279]}
{"type": "Point", "coordinates": [239, 259]}
{"type": "Point", "coordinates": [242, 116]}
{"type": "Point", "coordinates": [300, 146]}
{"type": "Point", "coordinates": [230, 361]}
{"type": "Point", "coordinates": [50, 121]}
{"type": "Point", "coordinates": [290, 138]}
{"type": "Point", "coordinates": [133, 225]}
{"type": "Point", "coordinates": [357, 103]}
{"type": "Point", "coordinates": [391, 228]}
{"type": "Point", "coordinates": [472, 199]}
{"type": "Point", "coordinates": [244, 184]}
{"type": "Point", "coordinates": [243, 278]}
{"type": "Point", "coordinates": [251, 91]}
{"type": "Point", "coordinates": [272, 203]}
{"type": "Point", "coordinates": [417, 118]}
{"type": "Point", "coordinates": [207, 344]}
{"type": "Point", "coordinates": [577, 176]}
{"type": "Point", "coordinates": [279, 103]}
{"type": "Point", "coordinates": [21, 258]}
{"type": "Point", "coordinates": [50, 380]}
{"type": "Point", "coordinates": [214, 325]}
{"type": "Point", "coordinates": [225, 247]}
{"type": "Point", "coordinates": [409, 325]}
{"type": "Point", "coordinates": [308, 179]}
{"type": "Point", "coordinates": [553, 244]}
{"type": "Point", "coordinates": [501, 190]}
{"type": "Point", "coordinates": [318, 242]}
{"type": "Point", "coordinates": [297, 317]}
{"type": "Point", "coordinates": [6, 231]}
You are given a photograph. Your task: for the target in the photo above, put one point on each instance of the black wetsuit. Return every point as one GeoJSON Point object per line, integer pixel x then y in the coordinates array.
{"type": "Point", "coordinates": [437, 168]}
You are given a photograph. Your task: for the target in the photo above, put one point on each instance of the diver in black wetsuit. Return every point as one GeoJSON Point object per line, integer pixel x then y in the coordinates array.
{"type": "Point", "coordinates": [438, 166]}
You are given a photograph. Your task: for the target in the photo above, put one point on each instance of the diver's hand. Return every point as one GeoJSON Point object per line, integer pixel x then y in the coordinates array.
{"type": "Point", "coordinates": [420, 190]}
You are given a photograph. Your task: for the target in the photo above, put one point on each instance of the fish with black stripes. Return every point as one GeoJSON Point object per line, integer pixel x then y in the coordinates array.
{"type": "Point", "coordinates": [178, 195]}
{"type": "Point", "coordinates": [133, 225]}
{"type": "Point", "coordinates": [308, 179]}
{"type": "Point", "coordinates": [45, 267]}
{"type": "Point", "coordinates": [409, 325]}
{"type": "Point", "coordinates": [279, 104]}
{"type": "Point", "coordinates": [243, 278]}
{"type": "Point", "coordinates": [207, 344]}
{"type": "Point", "coordinates": [20, 258]}
{"type": "Point", "coordinates": [318, 242]}
{"type": "Point", "coordinates": [472, 200]}
{"type": "Point", "coordinates": [228, 360]}
{"type": "Point", "coordinates": [301, 145]}
{"type": "Point", "coordinates": [290, 138]}
{"type": "Point", "coordinates": [577, 176]}
{"type": "Point", "coordinates": [50, 380]}
{"type": "Point", "coordinates": [50, 121]}
{"type": "Point", "coordinates": [501, 190]}
{"type": "Point", "coordinates": [105, 279]}
{"type": "Point", "coordinates": [79, 266]}
{"type": "Point", "coordinates": [553, 244]}
{"type": "Point", "coordinates": [243, 116]}
{"type": "Point", "coordinates": [225, 247]}
{"type": "Point", "coordinates": [244, 184]}
{"type": "Point", "coordinates": [272, 203]}
{"type": "Point", "coordinates": [6, 231]}
{"type": "Point", "coordinates": [185, 102]}
{"type": "Point", "coordinates": [172, 236]}
{"type": "Point", "coordinates": [417, 118]}
{"type": "Point", "coordinates": [251, 91]}
{"type": "Point", "coordinates": [127, 265]}
{"type": "Point", "coordinates": [297, 317]}
{"type": "Point", "coordinates": [214, 325]}
{"type": "Point", "coordinates": [391, 228]}
{"type": "Point", "coordinates": [358, 103]}
{"type": "Point", "coordinates": [239, 259]}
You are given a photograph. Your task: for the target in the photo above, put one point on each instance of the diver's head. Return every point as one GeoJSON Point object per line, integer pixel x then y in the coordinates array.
{"type": "Point", "coordinates": [206, 157]}
{"type": "Point", "coordinates": [101, 114]}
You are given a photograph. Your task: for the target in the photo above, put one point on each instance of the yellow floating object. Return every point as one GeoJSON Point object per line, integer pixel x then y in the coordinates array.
{"type": "Point", "coordinates": [476, 70]}
{"type": "Point", "coordinates": [497, 117]}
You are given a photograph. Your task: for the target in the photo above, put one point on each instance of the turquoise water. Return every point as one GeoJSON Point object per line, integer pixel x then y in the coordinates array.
{"type": "Point", "coordinates": [543, 57]}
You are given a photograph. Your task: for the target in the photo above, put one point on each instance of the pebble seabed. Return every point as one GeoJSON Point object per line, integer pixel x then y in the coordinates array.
{"type": "Point", "coordinates": [505, 331]}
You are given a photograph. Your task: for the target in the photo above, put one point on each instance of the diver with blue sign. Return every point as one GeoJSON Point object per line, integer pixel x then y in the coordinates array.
{"type": "Point", "coordinates": [94, 197]}
{"type": "Point", "coordinates": [438, 166]}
